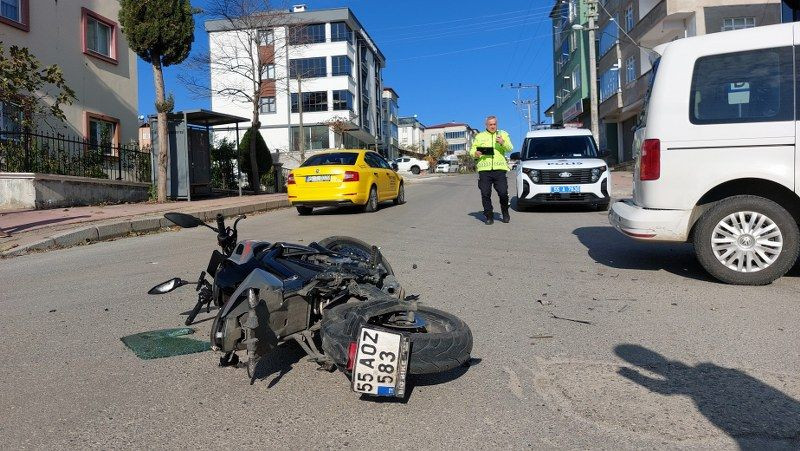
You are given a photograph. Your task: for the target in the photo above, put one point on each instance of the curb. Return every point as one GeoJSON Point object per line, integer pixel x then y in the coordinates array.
{"type": "Point", "coordinates": [102, 232]}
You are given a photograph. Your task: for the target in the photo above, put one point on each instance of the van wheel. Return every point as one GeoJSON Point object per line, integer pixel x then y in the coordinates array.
{"type": "Point", "coordinates": [747, 240]}
{"type": "Point", "coordinates": [372, 200]}
{"type": "Point", "coordinates": [415, 170]}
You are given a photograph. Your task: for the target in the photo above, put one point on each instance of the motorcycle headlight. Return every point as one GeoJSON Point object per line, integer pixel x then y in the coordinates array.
{"type": "Point", "coordinates": [596, 172]}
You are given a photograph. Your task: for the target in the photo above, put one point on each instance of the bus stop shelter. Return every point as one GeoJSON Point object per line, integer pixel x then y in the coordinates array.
{"type": "Point", "coordinates": [189, 155]}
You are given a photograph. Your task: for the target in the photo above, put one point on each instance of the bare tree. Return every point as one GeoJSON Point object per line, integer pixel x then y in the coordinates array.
{"type": "Point", "coordinates": [243, 60]}
{"type": "Point", "coordinates": [339, 125]}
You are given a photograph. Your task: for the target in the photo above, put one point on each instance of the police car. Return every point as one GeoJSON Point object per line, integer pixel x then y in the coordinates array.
{"type": "Point", "coordinates": [559, 167]}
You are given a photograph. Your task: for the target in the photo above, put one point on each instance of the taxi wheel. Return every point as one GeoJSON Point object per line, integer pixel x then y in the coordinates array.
{"type": "Point", "coordinates": [401, 196]}
{"type": "Point", "coordinates": [304, 211]}
{"type": "Point", "coordinates": [372, 201]}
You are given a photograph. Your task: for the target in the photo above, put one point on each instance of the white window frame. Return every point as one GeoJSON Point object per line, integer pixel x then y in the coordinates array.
{"type": "Point", "coordinates": [265, 102]}
{"type": "Point", "coordinates": [630, 70]}
{"type": "Point", "coordinates": [729, 23]}
{"type": "Point", "coordinates": [266, 36]}
{"type": "Point", "coordinates": [629, 22]}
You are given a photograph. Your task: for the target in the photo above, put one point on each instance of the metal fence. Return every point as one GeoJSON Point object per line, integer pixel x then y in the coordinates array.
{"type": "Point", "coordinates": [62, 155]}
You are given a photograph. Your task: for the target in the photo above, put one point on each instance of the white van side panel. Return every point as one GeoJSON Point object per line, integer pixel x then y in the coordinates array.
{"type": "Point", "coordinates": [696, 158]}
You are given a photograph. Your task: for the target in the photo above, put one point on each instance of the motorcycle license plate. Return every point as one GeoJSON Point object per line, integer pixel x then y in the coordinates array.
{"type": "Point", "coordinates": [381, 363]}
{"type": "Point", "coordinates": [318, 178]}
{"type": "Point", "coordinates": [566, 189]}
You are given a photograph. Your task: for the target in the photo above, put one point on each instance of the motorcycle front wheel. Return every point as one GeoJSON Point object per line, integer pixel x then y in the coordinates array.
{"type": "Point", "coordinates": [355, 248]}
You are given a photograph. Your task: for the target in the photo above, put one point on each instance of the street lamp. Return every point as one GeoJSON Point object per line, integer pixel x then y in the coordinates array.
{"type": "Point", "coordinates": [592, 76]}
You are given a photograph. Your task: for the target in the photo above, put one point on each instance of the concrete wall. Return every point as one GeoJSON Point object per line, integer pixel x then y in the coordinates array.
{"type": "Point", "coordinates": [101, 87]}
{"type": "Point", "coordinates": [27, 190]}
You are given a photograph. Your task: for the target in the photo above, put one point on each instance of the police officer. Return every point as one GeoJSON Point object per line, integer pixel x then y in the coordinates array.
{"type": "Point", "coordinates": [489, 148]}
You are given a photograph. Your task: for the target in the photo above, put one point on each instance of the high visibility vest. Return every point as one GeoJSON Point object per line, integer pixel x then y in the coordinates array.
{"type": "Point", "coordinates": [494, 162]}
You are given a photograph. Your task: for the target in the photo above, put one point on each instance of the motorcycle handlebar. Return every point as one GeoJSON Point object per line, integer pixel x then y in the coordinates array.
{"type": "Point", "coordinates": [221, 224]}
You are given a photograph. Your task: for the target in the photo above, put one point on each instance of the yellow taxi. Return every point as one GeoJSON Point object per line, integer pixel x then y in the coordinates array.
{"type": "Point", "coordinates": [344, 177]}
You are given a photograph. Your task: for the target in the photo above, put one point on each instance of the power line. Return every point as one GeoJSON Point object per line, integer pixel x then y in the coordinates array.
{"type": "Point", "coordinates": [514, 53]}
{"type": "Point", "coordinates": [454, 21]}
{"type": "Point", "coordinates": [462, 32]}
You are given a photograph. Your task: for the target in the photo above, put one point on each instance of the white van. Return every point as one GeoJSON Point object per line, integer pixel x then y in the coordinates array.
{"type": "Point", "coordinates": [715, 150]}
{"type": "Point", "coordinates": [561, 166]}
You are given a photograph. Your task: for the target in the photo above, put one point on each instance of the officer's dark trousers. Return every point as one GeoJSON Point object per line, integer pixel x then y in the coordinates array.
{"type": "Point", "coordinates": [485, 181]}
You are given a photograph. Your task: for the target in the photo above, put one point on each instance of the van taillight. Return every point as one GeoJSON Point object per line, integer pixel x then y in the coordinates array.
{"type": "Point", "coordinates": [351, 176]}
{"type": "Point", "coordinates": [290, 179]}
{"type": "Point", "coordinates": [650, 165]}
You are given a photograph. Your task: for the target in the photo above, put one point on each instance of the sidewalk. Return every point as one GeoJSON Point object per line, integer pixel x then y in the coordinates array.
{"type": "Point", "coordinates": [33, 230]}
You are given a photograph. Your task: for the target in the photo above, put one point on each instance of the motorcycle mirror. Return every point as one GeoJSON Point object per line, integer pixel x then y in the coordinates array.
{"type": "Point", "coordinates": [167, 286]}
{"type": "Point", "coordinates": [184, 220]}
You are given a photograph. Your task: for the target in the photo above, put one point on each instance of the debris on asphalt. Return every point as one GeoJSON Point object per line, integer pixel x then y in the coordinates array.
{"type": "Point", "coordinates": [489, 273]}
{"type": "Point", "coordinates": [623, 308]}
{"type": "Point", "coordinates": [447, 261]}
{"type": "Point", "coordinates": [53, 311]}
{"type": "Point", "coordinates": [540, 336]}
{"type": "Point", "coordinates": [544, 302]}
{"type": "Point", "coordinates": [414, 266]}
{"type": "Point", "coordinates": [571, 319]}
{"type": "Point", "coordinates": [674, 303]}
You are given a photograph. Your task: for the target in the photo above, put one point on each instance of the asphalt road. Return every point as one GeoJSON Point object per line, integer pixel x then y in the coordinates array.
{"type": "Point", "coordinates": [662, 356]}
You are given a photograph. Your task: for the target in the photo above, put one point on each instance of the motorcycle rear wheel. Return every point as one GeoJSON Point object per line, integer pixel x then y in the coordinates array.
{"type": "Point", "coordinates": [444, 343]}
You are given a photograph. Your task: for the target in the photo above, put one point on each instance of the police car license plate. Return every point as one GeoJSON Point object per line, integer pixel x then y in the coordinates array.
{"type": "Point", "coordinates": [381, 363]}
{"type": "Point", "coordinates": [318, 178]}
{"type": "Point", "coordinates": [566, 189]}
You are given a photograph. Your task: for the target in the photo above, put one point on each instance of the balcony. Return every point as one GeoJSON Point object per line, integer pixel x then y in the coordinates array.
{"type": "Point", "coordinates": [663, 23]}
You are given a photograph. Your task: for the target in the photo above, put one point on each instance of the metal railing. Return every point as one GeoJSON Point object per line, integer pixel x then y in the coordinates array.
{"type": "Point", "coordinates": [62, 155]}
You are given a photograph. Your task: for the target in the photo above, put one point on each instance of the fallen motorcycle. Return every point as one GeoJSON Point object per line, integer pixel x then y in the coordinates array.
{"type": "Point", "coordinates": [339, 294]}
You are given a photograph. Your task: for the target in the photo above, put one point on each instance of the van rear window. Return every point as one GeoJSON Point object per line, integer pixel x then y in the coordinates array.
{"type": "Point", "coordinates": [335, 158]}
{"type": "Point", "coordinates": [752, 86]}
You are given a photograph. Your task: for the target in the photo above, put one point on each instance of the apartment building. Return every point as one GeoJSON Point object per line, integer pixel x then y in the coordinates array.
{"type": "Point", "coordinates": [334, 63]}
{"type": "Point", "coordinates": [411, 134]}
{"type": "Point", "coordinates": [628, 29]}
{"type": "Point", "coordinates": [570, 64]}
{"type": "Point", "coordinates": [458, 136]}
{"type": "Point", "coordinates": [84, 39]}
{"type": "Point", "coordinates": [390, 145]}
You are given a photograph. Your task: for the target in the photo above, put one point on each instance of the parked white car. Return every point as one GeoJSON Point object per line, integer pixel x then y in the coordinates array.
{"type": "Point", "coordinates": [561, 166]}
{"type": "Point", "coordinates": [446, 166]}
{"type": "Point", "coordinates": [716, 153]}
{"type": "Point", "coordinates": [411, 164]}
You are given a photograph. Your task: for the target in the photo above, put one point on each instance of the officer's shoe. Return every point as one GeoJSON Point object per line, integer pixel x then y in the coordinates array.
{"type": "Point", "coordinates": [506, 217]}
{"type": "Point", "coordinates": [489, 219]}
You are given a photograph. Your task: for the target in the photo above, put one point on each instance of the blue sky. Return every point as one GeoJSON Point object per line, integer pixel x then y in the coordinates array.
{"type": "Point", "coordinates": [445, 59]}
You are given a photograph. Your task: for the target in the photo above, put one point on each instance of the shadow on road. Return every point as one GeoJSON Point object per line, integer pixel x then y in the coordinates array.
{"type": "Point", "coordinates": [23, 227]}
{"type": "Point", "coordinates": [348, 210]}
{"type": "Point", "coordinates": [551, 208]}
{"type": "Point", "coordinates": [610, 248]}
{"type": "Point", "coordinates": [751, 412]}
{"type": "Point", "coordinates": [279, 361]}
{"type": "Point", "coordinates": [421, 380]}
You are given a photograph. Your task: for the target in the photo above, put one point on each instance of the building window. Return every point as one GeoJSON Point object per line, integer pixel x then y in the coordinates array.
{"type": "Point", "coordinates": [342, 100]}
{"type": "Point", "coordinates": [307, 34]}
{"type": "Point", "coordinates": [576, 78]}
{"type": "Point", "coordinates": [308, 67]}
{"type": "Point", "coordinates": [266, 36]}
{"type": "Point", "coordinates": [340, 31]}
{"type": "Point", "coordinates": [268, 72]}
{"type": "Point", "coordinates": [609, 36]}
{"type": "Point", "coordinates": [10, 121]}
{"type": "Point", "coordinates": [456, 147]}
{"type": "Point", "coordinates": [629, 23]}
{"type": "Point", "coordinates": [15, 13]}
{"type": "Point", "coordinates": [312, 101]}
{"type": "Point", "coordinates": [737, 23]}
{"type": "Point", "coordinates": [573, 41]}
{"type": "Point", "coordinates": [752, 86]}
{"type": "Point", "coordinates": [99, 36]}
{"type": "Point", "coordinates": [609, 84]}
{"type": "Point", "coordinates": [341, 65]}
{"type": "Point", "coordinates": [455, 135]}
{"type": "Point", "coordinates": [267, 105]}
{"type": "Point", "coordinates": [102, 132]}
{"type": "Point", "coordinates": [314, 137]}
{"type": "Point", "coordinates": [630, 70]}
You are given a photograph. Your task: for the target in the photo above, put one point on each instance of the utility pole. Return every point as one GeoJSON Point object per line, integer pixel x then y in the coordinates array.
{"type": "Point", "coordinates": [521, 86]}
{"type": "Point", "coordinates": [592, 15]}
{"type": "Point", "coordinates": [528, 103]}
